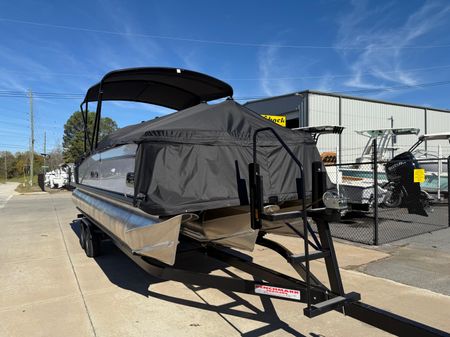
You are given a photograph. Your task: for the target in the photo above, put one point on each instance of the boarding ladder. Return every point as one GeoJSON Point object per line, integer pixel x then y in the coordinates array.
{"type": "Point", "coordinates": [322, 244]}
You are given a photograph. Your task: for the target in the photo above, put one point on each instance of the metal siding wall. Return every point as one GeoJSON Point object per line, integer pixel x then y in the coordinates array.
{"type": "Point", "coordinates": [324, 110]}
{"type": "Point", "coordinates": [438, 121]}
{"type": "Point", "coordinates": [362, 115]}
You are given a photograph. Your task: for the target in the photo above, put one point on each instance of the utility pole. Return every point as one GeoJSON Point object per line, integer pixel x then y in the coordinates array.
{"type": "Point", "coordinates": [32, 137]}
{"type": "Point", "coordinates": [45, 149]}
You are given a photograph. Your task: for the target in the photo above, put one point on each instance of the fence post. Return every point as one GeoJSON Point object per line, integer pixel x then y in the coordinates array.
{"type": "Point", "coordinates": [336, 171]}
{"type": "Point", "coordinates": [375, 193]}
{"type": "Point", "coordinates": [439, 172]}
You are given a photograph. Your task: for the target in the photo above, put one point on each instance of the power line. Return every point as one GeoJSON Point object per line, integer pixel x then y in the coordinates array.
{"type": "Point", "coordinates": [53, 95]}
{"type": "Point", "coordinates": [399, 87]}
{"type": "Point", "coordinates": [46, 73]}
{"type": "Point", "coordinates": [216, 42]}
{"type": "Point", "coordinates": [335, 76]}
{"type": "Point", "coordinates": [374, 90]}
{"type": "Point", "coordinates": [13, 146]}
{"type": "Point", "coordinates": [61, 95]}
{"type": "Point", "coordinates": [249, 78]}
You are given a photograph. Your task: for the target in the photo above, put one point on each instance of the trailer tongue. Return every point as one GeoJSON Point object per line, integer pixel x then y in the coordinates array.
{"type": "Point", "coordinates": [308, 289]}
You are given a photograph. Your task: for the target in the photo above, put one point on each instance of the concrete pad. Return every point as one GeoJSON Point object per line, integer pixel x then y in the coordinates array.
{"type": "Point", "coordinates": [415, 303]}
{"type": "Point", "coordinates": [136, 315]}
{"type": "Point", "coordinates": [63, 317]}
{"type": "Point", "coordinates": [34, 246]}
{"type": "Point", "coordinates": [348, 255]}
{"type": "Point", "coordinates": [35, 281]}
{"type": "Point", "coordinates": [39, 295]}
{"type": "Point", "coordinates": [7, 191]}
{"type": "Point", "coordinates": [114, 297]}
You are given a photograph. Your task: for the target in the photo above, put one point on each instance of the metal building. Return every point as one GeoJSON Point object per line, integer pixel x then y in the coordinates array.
{"type": "Point", "coordinates": [314, 108]}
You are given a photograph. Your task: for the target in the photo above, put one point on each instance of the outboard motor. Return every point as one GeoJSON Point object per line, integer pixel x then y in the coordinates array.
{"type": "Point", "coordinates": [402, 190]}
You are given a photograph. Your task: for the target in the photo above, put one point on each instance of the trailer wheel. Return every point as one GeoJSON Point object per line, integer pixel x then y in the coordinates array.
{"type": "Point", "coordinates": [92, 242]}
{"type": "Point", "coordinates": [83, 235]}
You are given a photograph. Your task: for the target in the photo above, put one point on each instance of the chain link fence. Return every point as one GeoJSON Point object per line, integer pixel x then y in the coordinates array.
{"type": "Point", "coordinates": [391, 200]}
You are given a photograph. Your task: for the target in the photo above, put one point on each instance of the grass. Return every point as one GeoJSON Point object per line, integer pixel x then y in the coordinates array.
{"type": "Point", "coordinates": [19, 179]}
{"type": "Point", "coordinates": [24, 186]}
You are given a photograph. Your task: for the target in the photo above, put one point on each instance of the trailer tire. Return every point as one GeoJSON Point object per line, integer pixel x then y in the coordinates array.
{"type": "Point", "coordinates": [92, 243]}
{"type": "Point", "coordinates": [83, 235]}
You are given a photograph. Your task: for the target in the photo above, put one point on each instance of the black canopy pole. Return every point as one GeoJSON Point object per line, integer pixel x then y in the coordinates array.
{"type": "Point", "coordinates": [86, 112]}
{"type": "Point", "coordinates": [97, 117]}
{"type": "Point", "coordinates": [416, 144]}
{"type": "Point", "coordinates": [84, 126]}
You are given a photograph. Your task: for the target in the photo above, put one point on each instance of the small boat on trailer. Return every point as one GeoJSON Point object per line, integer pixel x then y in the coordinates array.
{"type": "Point", "coordinates": [436, 176]}
{"type": "Point", "coordinates": [386, 139]}
{"type": "Point", "coordinates": [206, 180]}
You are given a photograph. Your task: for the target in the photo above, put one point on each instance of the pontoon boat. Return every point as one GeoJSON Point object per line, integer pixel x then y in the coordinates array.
{"type": "Point", "coordinates": [185, 173]}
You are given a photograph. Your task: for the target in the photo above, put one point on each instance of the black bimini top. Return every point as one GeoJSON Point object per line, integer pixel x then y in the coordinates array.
{"type": "Point", "coordinates": [169, 87]}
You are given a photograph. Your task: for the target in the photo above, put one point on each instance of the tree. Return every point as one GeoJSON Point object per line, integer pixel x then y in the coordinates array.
{"type": "Point", "coordinates": [18, 163]}
{"type": "Point", "coordinates": [73, 139]}
{"type": "Point", "coordinates": [55, 158]}
{"type": "Point", "coordinates": [22, 161]}
{"type": "Point", "coordinates": [10, 164]}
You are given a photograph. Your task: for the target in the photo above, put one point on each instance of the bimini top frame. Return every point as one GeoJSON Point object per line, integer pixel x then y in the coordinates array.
{"type": "Point", "coordinates": [389, 131]}
{"type": "Point", "coordinates": [385, 137]}
{"type": "Point", "coordinates": [317, 131]}
{"type": "Point", "coordinates": [172, 88]}
{"type": "Point", "coordinates": [430, 136]}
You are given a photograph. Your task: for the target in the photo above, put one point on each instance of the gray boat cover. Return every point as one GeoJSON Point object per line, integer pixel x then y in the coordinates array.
{"type": "Point", "coordinates": [197, 159]}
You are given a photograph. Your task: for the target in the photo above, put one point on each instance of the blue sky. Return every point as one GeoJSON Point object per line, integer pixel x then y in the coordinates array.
{"type": "Point", "coordinates": [261, 48]}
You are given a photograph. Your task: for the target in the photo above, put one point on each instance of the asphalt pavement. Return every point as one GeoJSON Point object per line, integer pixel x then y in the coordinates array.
{"type": "Point", "coordinates": [421, 261]}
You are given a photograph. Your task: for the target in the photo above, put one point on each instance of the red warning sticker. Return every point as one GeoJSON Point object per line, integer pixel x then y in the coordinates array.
{"type": "Point", "coordinates": [278, 292]}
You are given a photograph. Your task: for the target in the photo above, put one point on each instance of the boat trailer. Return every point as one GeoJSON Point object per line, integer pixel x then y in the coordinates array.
{"type": "Point", "coordinates": [308, 289]}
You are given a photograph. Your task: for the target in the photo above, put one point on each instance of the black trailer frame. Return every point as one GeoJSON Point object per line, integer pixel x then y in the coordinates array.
{"type": "Point", "coordinates": [307, 288]}
{"type": "Point", "coordinates": [322, 298]}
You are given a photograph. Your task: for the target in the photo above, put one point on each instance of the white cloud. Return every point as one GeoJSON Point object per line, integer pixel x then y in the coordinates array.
{"type": "Point", "coordinates": [325, 83]}
{"type": "Point", "coordinates": [276, 66]}
{"type": "Point", "coordinates": [381, 61]}
{"type": "Point", "coordinates": [272, 66]}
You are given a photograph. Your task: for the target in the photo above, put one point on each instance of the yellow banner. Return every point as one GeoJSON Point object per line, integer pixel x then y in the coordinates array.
{"type": "Point", "coordinates": [280, 120]}
{"type": "Point", "coordinates": [419, 175]}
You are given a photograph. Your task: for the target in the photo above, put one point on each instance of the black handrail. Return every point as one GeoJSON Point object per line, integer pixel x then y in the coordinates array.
{"type": "Point", "coordinates": [302, 192]}
{"type": "Point", "coordinates": [288, 150]}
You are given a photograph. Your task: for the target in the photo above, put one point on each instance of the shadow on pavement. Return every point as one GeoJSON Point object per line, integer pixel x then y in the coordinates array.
{"type": "Point", "coordinates": [124, 273]}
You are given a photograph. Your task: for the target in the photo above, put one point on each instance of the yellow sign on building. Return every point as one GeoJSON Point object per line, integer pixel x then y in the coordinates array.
{"type": "Point", "coordinates": [280, 120]}
{"type": "Point", "coordinates": [419, 175]}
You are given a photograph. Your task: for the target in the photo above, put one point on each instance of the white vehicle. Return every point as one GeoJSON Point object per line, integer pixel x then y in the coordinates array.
{"type": "Point", "coordinates": [59, 177]}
